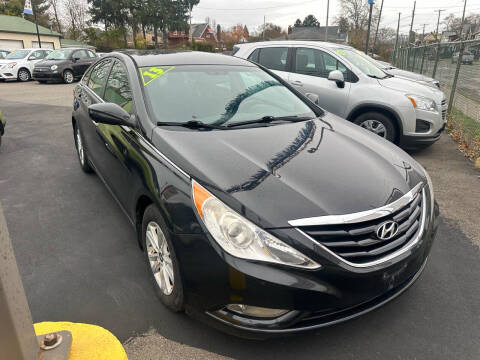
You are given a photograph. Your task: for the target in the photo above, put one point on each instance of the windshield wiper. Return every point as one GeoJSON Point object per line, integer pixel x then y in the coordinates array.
{"type": "Point", "coordinates": [269, 119]}
{"type": "Point", "coordinates": [193, 124]}
{"type": "Point", "coordinates": [380, 78]}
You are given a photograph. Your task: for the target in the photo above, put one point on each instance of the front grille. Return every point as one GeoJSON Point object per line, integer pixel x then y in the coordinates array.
{"type": "Point", "coordinates": [358, 242]}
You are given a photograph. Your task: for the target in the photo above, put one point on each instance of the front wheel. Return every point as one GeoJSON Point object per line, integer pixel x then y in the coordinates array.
{"type": "Point", "coordinates": [82, 154]}
{"type": "Point", "coordinates": [24, 75]}
{"type": "Point", "coordinates": [379, 124]}
{"type": "Point", "coordinates": [162, 260]}
{"type": "Point", "coordinates": [68, 77]}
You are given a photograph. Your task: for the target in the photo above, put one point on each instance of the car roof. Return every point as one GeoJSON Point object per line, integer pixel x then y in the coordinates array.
{"type": "Point", "coordinates": [154, 58]}
{"type": "Point", "coordinates": [296, 42]}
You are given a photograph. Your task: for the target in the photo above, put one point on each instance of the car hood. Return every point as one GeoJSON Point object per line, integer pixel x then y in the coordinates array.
{"type": "Point", "coordinates": [51, 62]}
{"type": "Point", "coordinates": [3, 62]}
{"type": "Point", "coordinates": [413, 88]}
{"type": "Point", "coordinates": [409, 75]}
{"type": "Point", "coordinates": [279, 173]}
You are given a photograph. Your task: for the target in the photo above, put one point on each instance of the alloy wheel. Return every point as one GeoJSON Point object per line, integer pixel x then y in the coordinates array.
{"type": "Point", "coordinates": [81, 154]}
{"type": "Point", "coordinates": [375, 126]}
{"type": "Point", "coordinates": [68, 76]}
{"type": "Point", "coordinates": [159, 258]}
{"type": "Point", "coordinates": [23, 75]}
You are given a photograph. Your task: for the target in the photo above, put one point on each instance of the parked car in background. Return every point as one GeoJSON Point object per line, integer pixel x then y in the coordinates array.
{"type": "Point", "coordinates": [18, 65]}
{"type": "Point", "coordinates": [2, 127]}
{"type": "Point", "coordinates": [467, 57]}
{"type": "Point", "coordinates": [347, 84]}
{"type": "Point", "coordinates": [64, 65]}
{"type": "Point", "coordinates": [3, 54]}
{"type": "Point", "coordinates": [403, 74]}
{"type": "Point", "coordinates": [257, 211]}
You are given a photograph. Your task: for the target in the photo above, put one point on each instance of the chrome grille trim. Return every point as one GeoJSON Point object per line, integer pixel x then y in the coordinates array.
{"type": "Point", "coordinates": [408, 246]}
{"type": "Point", "coordinates": [360, 216]}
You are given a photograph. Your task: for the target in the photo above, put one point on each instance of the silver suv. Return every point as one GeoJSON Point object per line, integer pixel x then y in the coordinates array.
{"type": "Point", "coordinates": [343, 82]}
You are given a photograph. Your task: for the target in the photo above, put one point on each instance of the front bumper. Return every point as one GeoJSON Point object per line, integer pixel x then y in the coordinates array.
{"type": "Point", "coordinates": [46, 75]}
{"type": "Point", "coordinates": [8, 74]}
{"type": "Point", "coordinates": [333, 294]}
{"type": "Point", "coordinates": [419, 142]}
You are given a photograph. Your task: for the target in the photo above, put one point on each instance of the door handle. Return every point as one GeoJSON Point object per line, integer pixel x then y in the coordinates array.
{"type": "Point", "coordinates": [297, 83]}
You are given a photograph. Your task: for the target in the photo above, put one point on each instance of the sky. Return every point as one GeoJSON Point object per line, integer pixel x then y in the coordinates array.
{"type": "Point", "coordinates": [284, 12]}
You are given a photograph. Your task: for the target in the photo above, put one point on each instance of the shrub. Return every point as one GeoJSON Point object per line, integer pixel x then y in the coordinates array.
{"type": "Point", "coordinates": [202, 46]}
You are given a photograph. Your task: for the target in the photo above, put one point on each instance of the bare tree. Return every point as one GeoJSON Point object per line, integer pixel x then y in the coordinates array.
{"type": "Point", "coordinates": [76, 16]}
{"type": "Point", "coordinates": [55, 6]}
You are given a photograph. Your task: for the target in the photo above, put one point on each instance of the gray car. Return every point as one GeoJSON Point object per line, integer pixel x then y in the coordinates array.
{"type": "Point", "coordinates": [343, 82]}
{"type": "Point", "coordinates": [467, 57]}
{"type": "Point", "coordinates": [392, 70]}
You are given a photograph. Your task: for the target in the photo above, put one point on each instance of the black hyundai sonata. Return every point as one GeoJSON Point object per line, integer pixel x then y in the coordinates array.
{"type": "Point", "coordinates": [258, 212]}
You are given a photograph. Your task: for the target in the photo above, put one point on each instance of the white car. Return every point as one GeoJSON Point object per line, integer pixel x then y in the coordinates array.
{"type": "Point", "coordinates": [18, 65]}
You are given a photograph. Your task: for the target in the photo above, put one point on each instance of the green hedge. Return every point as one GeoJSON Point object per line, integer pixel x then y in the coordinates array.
{"type": "Point", "coordinates": [201, 46]}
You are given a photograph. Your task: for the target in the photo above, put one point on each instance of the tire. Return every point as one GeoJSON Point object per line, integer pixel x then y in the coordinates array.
{"type": "Point", "coordinates": [68, 77]}
{"type": "Point", "coordinates": [81, 151]}
{"type": "Point", "coordinates": [379, 124]}
{"type": "Point", "coordinates": [171, 293]}
{"type": "Point", "coordinates": [24, 75]}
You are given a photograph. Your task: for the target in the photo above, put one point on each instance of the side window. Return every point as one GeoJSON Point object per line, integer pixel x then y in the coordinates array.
{"type": "Point", "coordinates": [82, 54]}
{"type": "Point", "coordinates": [254, 56]}
{"type": "Point", "coordinates": [317, 63]}
{"type": "Point", "coordinates": [274, 58]}
{"type": "Point", "coordinates": [86, 76]}
{"type": "Point", "coordinates": [38, 54]}
{"type": "Point", "coordinates": [98, 76]}
{"type": "Point", "coordinates": [118, 89]}
{"type": "Point", "coordinates": [91, 54]}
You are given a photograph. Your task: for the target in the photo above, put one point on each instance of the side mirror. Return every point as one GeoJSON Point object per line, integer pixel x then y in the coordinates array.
{"type": "Point", "coordinates": [313, 98]}
{"type": "Point", "coordinates": [31, 57]}
{"type": "Point", "coordinates": [337, 76]}
{"type": "Point", "coordinates": [111, 114]}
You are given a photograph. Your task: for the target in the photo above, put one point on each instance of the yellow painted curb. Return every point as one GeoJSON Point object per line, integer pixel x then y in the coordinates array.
{"type": "Point", "coordinates": [89, 342]}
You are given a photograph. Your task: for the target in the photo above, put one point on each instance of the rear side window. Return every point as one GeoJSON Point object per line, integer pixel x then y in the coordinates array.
{"type": "Point", "coordinates": [98, 76]}
{"type": "Point", "coordinates": [91, 54]}
{"type": "Point", "coordinates": [274, 58]}
{"type": "Point", "coordinates": [81, 54]}
{"type": "Point", "coordinates": [235, 50]}
{"type": "Point", "coordinates": [118, 89]}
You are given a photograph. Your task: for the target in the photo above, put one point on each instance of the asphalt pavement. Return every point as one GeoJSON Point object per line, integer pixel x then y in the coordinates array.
{"type": "Point", "coordinates": [80, 261]}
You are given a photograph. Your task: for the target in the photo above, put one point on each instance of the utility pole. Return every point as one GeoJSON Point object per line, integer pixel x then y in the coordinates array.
{"type": "Point", "coordinates": [411, 24]}
{"type": "Point", "coordinates": [326, 24]}
{"type": "Point", "coordinates": [423, 34]}
{"type": "Point", "coordinates": [369, 25]}
{"type": "Point", "coordinates": [395, 49]}
{"type": "Point", "coordinates": [378, 26]}
{"type": "Point", "coordinates": [36, 24]}
{"type": "Point", "coordinates": [438, 44]}
{"type": "Point", "coordinates": [463, 19]}
{"type": "Point", "coordinates": [190, 29]}
{"type": "Point", "coordinates": [264, 27]}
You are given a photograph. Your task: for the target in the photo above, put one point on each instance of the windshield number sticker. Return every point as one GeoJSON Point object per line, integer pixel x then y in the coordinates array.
{"type": "Point", "coordinates": [151, 73]}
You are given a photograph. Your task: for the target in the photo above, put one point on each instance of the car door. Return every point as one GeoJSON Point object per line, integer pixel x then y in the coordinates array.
{"type": "Point", "coordinates": [89, 92]}
{"type": "Point", "coordinates": [81, 62]}
{"type": "Point", "coordinates": [119, 141]}
{"type": "Point", "coordinates": [274, 58]}
{"type": "Point", "coordinates": [34, 57]}
{"type": "Point", "coordinates": [310, 69]}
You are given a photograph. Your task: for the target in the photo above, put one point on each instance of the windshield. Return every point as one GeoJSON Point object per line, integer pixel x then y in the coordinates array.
{"type": "Point", "coordinates": [18, 54]}
{"type": "Point", "coordinates": [59, 55]}
{"type": "Point", "coordinates": [217, 94]}
{"type": "Point", "coordinates": [362, 62]}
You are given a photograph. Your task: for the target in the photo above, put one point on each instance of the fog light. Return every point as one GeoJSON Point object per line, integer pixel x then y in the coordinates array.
{"type": "Point", "coordinates": [256, 311]}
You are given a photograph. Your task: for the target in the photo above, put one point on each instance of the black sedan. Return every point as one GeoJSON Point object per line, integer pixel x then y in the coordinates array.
{"type": "Point", "coordinates": [64, 65]}
{"type": "Point", "coordinates": [258, 212]}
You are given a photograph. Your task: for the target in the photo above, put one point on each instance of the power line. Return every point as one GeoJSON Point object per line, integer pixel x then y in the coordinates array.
{"type": "Point", "coordinates": [262, 8]}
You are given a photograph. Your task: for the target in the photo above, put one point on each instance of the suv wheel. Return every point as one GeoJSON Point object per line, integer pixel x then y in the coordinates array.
{"type": "Point", "coordinates": [23, 75]}
{"type": "Point", "coordinates": [379, 124]}
{"type": "Point", "coordinates": [162, 261]}
{"type": "Point", "coordinates": [68, 77]}
{"type": "Point", "coordinates": [82, 154]}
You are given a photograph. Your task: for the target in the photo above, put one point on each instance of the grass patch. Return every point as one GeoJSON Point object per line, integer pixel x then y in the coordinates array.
{"type": "Point", "coordinates": [465, 131]}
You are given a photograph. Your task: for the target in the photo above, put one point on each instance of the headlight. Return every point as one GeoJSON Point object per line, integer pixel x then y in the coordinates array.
{"type": "Point", "coordinates": [53, 67]}
{"type": "Point", "coordinates": [422, 103]}
{"type": "Point", "coordinates": [240, 237]}
{"type": "Point", "coordinates": [12, 65]}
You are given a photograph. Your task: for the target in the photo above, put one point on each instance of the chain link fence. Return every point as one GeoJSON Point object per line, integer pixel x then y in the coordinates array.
{"type": "Point", "coordinates": [456, 65]}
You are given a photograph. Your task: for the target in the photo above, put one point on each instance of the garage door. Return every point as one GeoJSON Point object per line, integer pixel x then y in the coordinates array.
{"type": "Point", "coordinates": [45, 45]}
{"type": "Point", "coordinates": [11, 44]}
